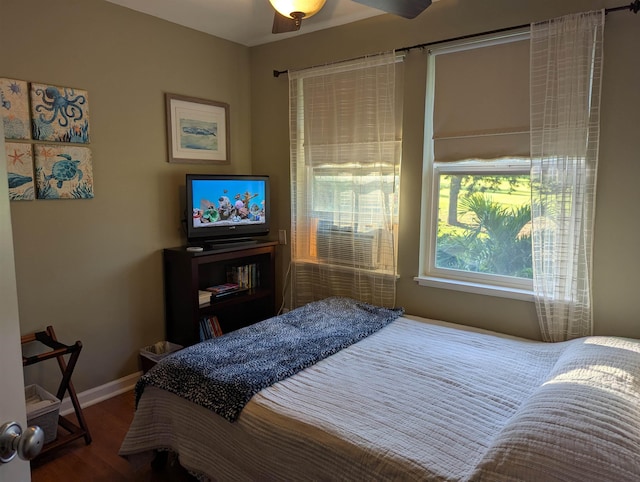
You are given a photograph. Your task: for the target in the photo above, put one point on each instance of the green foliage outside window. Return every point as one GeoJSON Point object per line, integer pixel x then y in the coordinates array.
{"type": "Point", "coordinates": [491, 230]}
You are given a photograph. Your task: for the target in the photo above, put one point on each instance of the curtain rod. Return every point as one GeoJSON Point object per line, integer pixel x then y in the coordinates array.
{"type": "Point", "coordinates": [633, 7]}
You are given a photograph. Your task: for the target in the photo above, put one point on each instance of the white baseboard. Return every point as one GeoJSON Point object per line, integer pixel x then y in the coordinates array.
{"type": "Point", "coordinates": [101, 393]}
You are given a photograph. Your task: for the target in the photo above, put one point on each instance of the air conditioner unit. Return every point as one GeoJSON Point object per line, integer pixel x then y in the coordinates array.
{"type": "Point", "coordinates": [358, 250]}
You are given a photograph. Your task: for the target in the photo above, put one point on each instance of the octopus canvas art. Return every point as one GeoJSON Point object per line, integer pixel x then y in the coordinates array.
{"type": "Point", "coordinates": [20, 171]}
{"type": "Point", "coordinates": [63, 172]}
{"type": "Point", "coordinates": [59, 114]}
{"type": "Point", "coordinates": [14, 108]}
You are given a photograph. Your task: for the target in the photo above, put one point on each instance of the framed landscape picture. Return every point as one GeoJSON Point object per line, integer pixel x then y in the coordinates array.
{"type": "Point", "coordinates": [197, 130]}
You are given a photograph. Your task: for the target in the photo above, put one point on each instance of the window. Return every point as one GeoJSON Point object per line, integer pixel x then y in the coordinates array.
{"type": "Point", "coordinates": [476, 233]}
{"type": "Point", "coordinates": [483, 229]}
{"type": "Point", "coordinates": [353, 198]}
{"type": "Point", "coordinates": [345, 162]}
{"type": "Point", "coordinates": [353, 215]}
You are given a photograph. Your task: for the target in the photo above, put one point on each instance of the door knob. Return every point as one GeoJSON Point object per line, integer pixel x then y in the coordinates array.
{"type": "Point", "coordinates": [14, 442]}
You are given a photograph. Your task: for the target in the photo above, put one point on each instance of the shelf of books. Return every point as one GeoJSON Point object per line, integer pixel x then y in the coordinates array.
{"type": "Point", "coordinates": [241, 280]}
{"type": "Point", "coordinates": [209, 328]}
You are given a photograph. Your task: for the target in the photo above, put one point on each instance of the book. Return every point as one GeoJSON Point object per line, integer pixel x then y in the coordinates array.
{"type": "Point", "coordinates": [223, 288]}
{"type": "Point", "coordinates": [205, 329]}
{"type": "Point", "coordinates": [209, 328]}
{"type": "Point", "coordinates": [215, 326]}
{"type": "Point", "coordinates": [219, 296]}
{"type": "Point", "coordinates": [204, 297]}
{"type": "Point", "coordinates": [245, 276]}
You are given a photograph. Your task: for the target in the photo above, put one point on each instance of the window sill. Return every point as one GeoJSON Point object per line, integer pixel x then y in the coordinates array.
{"type": "Point", "coordinates": [476, 288]}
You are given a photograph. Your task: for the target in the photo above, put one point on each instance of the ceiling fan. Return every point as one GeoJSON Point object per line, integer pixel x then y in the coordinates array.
{"type": "Point", "coordinates": [289, 13]}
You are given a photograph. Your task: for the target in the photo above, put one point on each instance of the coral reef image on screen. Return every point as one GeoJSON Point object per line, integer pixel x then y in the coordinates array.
{"type": "Point", "coordinates": [228, 202]}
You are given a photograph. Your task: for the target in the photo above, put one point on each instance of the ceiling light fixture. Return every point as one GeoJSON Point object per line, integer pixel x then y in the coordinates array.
{"type": "Point", "coordinates": [297, 9]}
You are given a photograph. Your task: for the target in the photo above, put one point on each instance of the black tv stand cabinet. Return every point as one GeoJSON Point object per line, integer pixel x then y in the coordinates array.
{"type": "Point", "coordinates": [187, 272]}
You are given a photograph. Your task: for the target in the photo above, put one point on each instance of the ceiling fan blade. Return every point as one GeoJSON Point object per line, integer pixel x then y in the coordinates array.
{"type": "Point", "coordinates": [403, 8]}
{"type": "Point", "coordinates": [282, 24]}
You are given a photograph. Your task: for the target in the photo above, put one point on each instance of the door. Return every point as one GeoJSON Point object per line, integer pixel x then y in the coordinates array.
{"type": "Point", "coordinates": [12, 402]}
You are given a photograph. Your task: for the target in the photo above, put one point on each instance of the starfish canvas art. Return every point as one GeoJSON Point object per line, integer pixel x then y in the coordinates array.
{"type": "Point", "coordinates": [20, 171]}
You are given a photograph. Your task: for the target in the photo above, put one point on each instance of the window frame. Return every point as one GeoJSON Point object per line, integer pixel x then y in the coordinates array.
{"type": "Point", "coordinates": [429, 274]}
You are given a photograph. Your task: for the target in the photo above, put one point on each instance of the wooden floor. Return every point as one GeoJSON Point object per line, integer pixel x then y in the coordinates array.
{"type": "Point", "coordinates": [108, 422]}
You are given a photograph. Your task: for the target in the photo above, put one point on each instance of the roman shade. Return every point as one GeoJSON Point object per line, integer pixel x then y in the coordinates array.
{"type": "Point", "coordinates": [481, 108]}
{"type": "Point", "coordinates": [336, 133]}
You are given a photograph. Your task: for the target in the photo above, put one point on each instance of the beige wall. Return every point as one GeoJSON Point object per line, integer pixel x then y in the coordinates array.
{"type": "Point", "coordinates": [93, 268]}
{"type": "Point", "coordinates": [615, 261]}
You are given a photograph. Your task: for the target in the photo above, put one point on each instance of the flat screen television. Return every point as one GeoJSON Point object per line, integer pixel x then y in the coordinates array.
{"type": "Point", "coordinates": [225, 208]}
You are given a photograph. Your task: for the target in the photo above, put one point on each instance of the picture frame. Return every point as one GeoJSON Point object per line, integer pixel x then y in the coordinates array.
{"type": "Point", "coordinates": [59, 114]}
{"type": "Point", "coordinates": [14, 109]}
{"type": "Point", "coordinates": [197, 130]}
{"type": "Point", "coordinates": [63, 171]}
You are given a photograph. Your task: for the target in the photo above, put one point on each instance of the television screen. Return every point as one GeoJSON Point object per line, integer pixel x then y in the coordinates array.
{"type": "Point", "coordinates": [226, 206]}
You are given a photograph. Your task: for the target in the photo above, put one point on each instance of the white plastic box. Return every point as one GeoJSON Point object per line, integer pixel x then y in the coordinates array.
{"type": "Point", "coordinates": [152, 354]}
{"type": "Point", "coordinates": [43, 410]}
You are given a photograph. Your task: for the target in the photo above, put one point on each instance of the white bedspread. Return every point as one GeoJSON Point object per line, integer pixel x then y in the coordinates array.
{"type": "Point", "coordinates": [422, 401]}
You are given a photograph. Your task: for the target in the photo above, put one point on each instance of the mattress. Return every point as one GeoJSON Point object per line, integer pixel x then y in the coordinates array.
{"type": "Point", "coordinates": [420, 400]}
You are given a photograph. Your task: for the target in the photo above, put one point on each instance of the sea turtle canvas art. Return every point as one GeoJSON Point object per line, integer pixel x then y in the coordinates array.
{"type": "Point", "coordinates": [20, 171]}
{"type": "Point", "coordinates": [64, 172]}
{"type": "Point", "coordinates": [59, 114]}
{"type": "Point", "coordinates": [14, 108]}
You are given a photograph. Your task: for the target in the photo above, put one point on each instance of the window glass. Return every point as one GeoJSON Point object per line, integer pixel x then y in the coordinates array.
{"type": "Point", "coordinates": [484, 223]}
{"type": "Point", "coordinates": [354, 200]}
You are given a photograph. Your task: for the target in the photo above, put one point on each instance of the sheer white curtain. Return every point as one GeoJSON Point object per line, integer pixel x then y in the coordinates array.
{"type": "Point", "coordinates": [566, 72]}
{"type": "Point", "coordinates": [345, 135]}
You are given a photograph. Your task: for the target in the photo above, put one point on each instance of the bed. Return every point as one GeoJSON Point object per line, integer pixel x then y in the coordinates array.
{"type": "Point", "coordinates": [414, 399]}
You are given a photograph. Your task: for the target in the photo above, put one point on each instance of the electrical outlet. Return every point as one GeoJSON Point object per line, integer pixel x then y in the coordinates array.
{"type": "Point", "coordinates": [282, 236]}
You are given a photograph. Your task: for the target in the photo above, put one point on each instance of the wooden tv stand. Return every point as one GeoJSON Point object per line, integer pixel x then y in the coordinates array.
{"type": "Point", "coordinates": [186, 272]}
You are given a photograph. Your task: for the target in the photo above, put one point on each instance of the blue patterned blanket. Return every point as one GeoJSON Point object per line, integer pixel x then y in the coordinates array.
{"type": "Point", "coordinates": [223, 374]}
